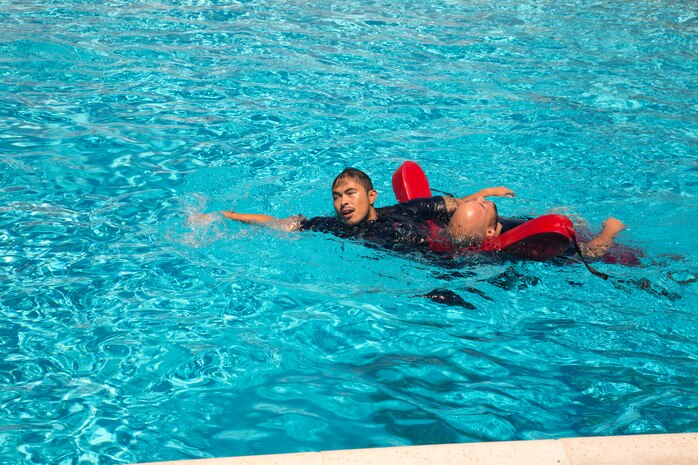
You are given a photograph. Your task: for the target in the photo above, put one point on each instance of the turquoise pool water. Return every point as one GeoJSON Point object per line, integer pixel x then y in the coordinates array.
{"type": "Point", "coordinates": [127, 335]}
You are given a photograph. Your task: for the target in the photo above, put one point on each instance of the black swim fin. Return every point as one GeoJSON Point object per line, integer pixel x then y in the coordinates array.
{"type": "Point", "coordinates": [448, 297]}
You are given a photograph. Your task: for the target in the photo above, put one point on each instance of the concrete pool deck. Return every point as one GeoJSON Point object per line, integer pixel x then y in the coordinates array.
{"type": "Point", "coordinates": [649, 449]}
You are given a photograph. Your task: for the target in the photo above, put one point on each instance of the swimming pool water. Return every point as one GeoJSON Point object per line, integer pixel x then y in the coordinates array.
{"type": "Point", "coordinates": [128, 335]}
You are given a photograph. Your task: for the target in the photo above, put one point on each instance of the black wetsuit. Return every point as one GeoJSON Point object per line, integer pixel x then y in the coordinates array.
{"type": "Point", "coordinates": [406, 226]}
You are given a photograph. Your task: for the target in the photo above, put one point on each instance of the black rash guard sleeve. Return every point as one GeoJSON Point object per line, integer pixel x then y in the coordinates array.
{"type": "Point", "coordinates": [324, 224]}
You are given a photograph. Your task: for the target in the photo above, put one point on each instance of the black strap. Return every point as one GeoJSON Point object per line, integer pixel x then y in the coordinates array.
{"type": "Point", "coordinates": [442, 192]}
{"type": "Point", "coordinates": [579, 251]}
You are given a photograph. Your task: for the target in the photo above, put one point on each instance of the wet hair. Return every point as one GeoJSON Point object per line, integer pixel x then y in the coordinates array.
{"type": "Point", "coordinates": [356, 176]}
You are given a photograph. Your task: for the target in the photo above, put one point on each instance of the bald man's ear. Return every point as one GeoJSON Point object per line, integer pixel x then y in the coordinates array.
{"type": "Point", "coordinates": [492, 232]}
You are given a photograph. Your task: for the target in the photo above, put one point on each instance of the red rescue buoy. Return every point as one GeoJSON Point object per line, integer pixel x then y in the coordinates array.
{"type": "Point", "coordinates": [410, 182]}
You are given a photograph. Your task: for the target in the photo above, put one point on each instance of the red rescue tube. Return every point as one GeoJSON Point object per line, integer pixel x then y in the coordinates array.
{"type": "Point", "coordinates": [538, 239]}
{"type": "Point", "coordinates": [410, 182]}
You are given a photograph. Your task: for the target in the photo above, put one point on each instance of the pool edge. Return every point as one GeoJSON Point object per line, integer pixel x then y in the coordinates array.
{"type": "Point", "coordinates": [646, 449]}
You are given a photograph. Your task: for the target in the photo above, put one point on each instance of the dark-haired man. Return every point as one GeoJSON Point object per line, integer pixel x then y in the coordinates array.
{"type": "Point", "coordinates": [418, 223]}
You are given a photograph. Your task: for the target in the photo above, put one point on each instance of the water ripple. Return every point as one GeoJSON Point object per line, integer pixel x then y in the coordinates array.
{"type": "Point", "coordinates": [129, 334]}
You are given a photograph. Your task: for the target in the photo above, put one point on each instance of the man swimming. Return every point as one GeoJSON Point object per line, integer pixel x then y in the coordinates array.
{"type": "Point", "coordinates": [406, 226]}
